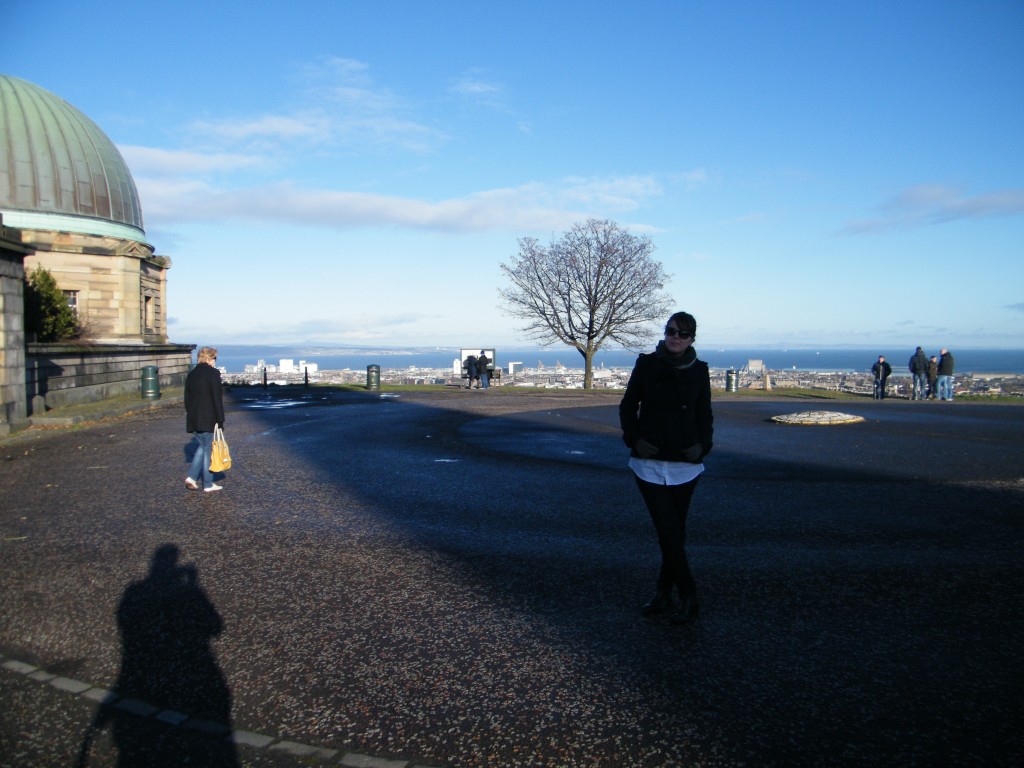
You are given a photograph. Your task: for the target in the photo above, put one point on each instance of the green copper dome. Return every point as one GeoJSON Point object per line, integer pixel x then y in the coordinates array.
{"type": "Point", "coordinates": [58, 170]}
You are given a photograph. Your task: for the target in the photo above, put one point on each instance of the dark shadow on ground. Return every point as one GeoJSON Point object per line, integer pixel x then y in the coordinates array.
{"type": "Point", "coordinates": [861, 584]}
{"type": "Point", "coordinates": [166, 623]}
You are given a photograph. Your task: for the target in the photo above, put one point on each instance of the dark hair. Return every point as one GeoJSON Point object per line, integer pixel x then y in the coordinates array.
{"type": "Point", "coordinates": [684, 322]}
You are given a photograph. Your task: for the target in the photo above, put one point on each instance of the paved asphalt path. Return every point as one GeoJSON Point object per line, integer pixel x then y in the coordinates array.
{"type": "Point", "coordinates": [453, 579]}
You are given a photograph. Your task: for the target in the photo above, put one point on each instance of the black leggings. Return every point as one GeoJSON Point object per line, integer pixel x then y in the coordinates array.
{"type": "Point", "coordinates": [668, 505]}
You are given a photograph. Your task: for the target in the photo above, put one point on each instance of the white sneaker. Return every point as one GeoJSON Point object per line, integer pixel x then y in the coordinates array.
{"type": "Point", "coordinates": [191, 484]}
{"type": "Point", "coordinates": [214, 487]}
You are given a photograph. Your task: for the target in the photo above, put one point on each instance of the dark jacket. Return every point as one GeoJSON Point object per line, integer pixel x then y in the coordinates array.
{"type": "Point", "coordinates": [668, 406]}
{"type": "Point", "coordinates": [204, 399]}
{"type": "Point", "coordinates": [882, 370]}
{"type": "Point", "coordinates": [481, 365]}
{"type": "Point", "coordinates": [919, 363]}
{"type": "Point", "coordinates": [946, 365]}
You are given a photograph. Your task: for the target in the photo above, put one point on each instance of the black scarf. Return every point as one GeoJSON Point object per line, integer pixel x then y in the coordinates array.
{"type": "Point", "coordinates": [679, 362]}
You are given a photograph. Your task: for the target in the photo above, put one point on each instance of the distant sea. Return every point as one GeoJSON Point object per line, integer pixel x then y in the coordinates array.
{"type": "Point", "coordinates": [235, 357]}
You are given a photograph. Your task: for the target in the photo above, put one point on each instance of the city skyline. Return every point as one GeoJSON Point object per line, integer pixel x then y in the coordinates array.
{"type": "Point", "coordinates": [810, 174]}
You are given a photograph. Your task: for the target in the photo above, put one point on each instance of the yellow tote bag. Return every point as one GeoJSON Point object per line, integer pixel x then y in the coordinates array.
{"type": "Point", "coordinates": [220, 456]}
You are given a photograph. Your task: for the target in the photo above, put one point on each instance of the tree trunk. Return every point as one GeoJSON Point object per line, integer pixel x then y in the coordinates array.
{"type": "Point", "coordinates": [587, 354]}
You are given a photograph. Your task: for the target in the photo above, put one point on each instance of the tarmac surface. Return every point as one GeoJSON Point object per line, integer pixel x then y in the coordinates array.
{"type": "Point", "coordinates": [454, 579]}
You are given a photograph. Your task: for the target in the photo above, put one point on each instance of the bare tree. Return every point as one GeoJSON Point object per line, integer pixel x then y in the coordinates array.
{"type": "Point", "coordinates": [596, 283]}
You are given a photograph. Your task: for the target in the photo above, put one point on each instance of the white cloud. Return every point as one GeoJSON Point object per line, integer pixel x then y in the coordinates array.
{"type": "Point", "coordinates": [338, 104]}
{"type": "Point", "coordinates": [691, 179]}
{"type": "Point", "coordinates": [473, 87]}
{"type": "Point", "coordinates": [279, 127]}
{"type": "Point", "coordinates": [531, 207]}
{"type": "Point", "coordinates": [166, 162]}
{"type": "Point", "coordinates": [618, 193]}
{"type": "Point", "coordinates": [928, 204]}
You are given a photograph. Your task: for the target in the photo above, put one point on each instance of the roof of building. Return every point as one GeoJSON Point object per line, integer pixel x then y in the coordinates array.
{"type": "Point", "coordinates": [58, 170]}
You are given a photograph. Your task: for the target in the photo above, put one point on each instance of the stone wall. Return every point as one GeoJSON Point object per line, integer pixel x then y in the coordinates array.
{"type": "Point", "coordinates": [13, 406]}
{"type": "Point", "coordinates": [13, 409]}
{"type": "Point", "coordinates": [69, 374]}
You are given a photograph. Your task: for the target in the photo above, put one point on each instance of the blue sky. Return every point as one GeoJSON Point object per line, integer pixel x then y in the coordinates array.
{"type": "Point", "coordinates": [810, 173]}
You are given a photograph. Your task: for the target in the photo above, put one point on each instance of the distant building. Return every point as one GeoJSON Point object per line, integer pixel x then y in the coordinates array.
{"type": "Point", "coordinates": [755, 367]}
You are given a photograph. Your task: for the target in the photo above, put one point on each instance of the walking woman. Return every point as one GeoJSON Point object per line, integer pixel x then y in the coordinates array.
{"type": "Point", "coordinates": [667, 423]}
{"type": "Point", "coordinates": [204, 410]}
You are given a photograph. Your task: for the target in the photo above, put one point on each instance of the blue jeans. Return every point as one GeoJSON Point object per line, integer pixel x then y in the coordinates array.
{"type": "Point", "coordinates": [920, 391]}
{"type": "Point", "coordinates": [200, 468]}
{"type": "Point", "coordinates": [945, 385]}
{"type": "Point", "coordinates": [484, 380]}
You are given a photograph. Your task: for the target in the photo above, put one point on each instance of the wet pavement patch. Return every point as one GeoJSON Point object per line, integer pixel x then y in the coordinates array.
{"type": "Point", "coordinates": [274, 404]}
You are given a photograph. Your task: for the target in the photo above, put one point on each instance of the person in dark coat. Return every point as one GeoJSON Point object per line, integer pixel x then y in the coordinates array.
{"type": "Point", "coordinates": [471, 373]}
{"type": "Point", "coordinates": [933, 376]}
{"type": "Point", "coordinates": [945, 371]}
{"type": "Point", "coordinates": [919, 371]}
{"type": "Point", "coordinates": [667, 423]}
{"type": "Point", "coordinates": [882, 370]}
{"type": "Point", "coordinates": [204, 410]}
{"type": "Point", "coordinates": [482, 371]}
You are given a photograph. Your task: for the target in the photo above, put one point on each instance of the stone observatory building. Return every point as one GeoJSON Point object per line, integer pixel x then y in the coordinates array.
{"type": "Point", "coordinates": [68, 203]}
{"type": "Point", "coordinates": [66, 187]}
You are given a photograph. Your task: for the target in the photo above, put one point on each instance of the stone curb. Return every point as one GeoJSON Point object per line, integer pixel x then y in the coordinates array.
{"type": "Point", "coordinates": [172, 719]}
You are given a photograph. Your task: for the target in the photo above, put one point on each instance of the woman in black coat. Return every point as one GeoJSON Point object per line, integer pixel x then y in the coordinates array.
{"type": "Point", "coordinates": [204, 410]}
{"type": "Point", "coordinates": [666, 420]}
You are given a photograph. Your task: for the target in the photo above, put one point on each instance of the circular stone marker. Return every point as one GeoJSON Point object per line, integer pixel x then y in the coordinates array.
{"type": "Point", "coordinates": [817, 417]}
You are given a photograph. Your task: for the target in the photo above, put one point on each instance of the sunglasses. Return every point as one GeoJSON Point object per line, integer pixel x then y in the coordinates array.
{"type": "Point", "coordinates": [677, 332]}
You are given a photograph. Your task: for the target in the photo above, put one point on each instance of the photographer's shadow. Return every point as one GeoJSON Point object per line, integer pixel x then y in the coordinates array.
{"type": "Point", "coordinates": [166, 623]}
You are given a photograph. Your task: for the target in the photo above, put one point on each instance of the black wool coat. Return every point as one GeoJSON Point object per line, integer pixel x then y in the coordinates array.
{"type": "Point", "coordinates": [668, 407]}
{"type": "Point", "coordinates": [204, 399]}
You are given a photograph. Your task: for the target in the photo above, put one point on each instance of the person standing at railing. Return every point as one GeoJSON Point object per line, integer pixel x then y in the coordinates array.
{"type": "Point", "coordinates": [919, 371]}
{"type": "Point", "coordinates": [482, 371]}
{"type": "Point", "coordinates": [882, 370]}
{"type": "Point", "coordinates": [945, 371]}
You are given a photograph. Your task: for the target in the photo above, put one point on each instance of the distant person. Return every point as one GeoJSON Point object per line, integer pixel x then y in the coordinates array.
{"type": "Point", "coordinates": [470, 371]}
{"type": "Point", "coordinates": [919, 371]}
{"type": "Point", "coordinates": [881, 370]}
{"type": "Point", "coordinates": [933, 376]}
{"type": "Point", "coordinates": [481, 369]}
{"type": "Point", "coordinates": [204, 410]}
{"type": "Point", "coordinates": [945, 371]}
{"type": "Point", "coordinates": [666, 421]}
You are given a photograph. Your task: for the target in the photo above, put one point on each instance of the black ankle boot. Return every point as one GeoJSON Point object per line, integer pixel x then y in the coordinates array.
{"type": "Point", "coordinates": [688, 610]}
{"type": "Point", "coordinates": [660, 603]}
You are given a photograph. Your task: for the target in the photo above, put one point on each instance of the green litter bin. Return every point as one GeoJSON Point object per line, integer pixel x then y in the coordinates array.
{"type": "Point", "coordinates": [373, 377]}
{"type": "Point", "coordinates": [150, 386]}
